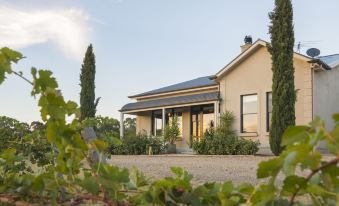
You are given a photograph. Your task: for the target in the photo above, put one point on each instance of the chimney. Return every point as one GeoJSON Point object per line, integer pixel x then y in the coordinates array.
{"type": "Point", "coordinates": [248, 43]}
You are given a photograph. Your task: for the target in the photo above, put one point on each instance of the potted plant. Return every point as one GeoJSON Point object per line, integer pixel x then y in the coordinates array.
{"type": "Point", "coordinates": [171, 134]}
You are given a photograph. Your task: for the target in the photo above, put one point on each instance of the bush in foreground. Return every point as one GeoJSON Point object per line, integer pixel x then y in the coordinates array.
{"type": "Point", "coordinates": [224, 140]}
{"type": "Point", "coordinates": [138, 145]}
{"type": "Point", "coordinates": [75, 179]}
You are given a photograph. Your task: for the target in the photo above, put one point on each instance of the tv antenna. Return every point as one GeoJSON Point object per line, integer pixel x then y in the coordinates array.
{"type": "Point", "coordinates": [305, 44]}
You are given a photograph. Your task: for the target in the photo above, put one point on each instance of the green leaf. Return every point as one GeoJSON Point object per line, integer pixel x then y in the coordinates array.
{"type": "Point", "coordinates": [89, 183]}
{"type": "Point", "coordinates": [7, 57]}
{"type": "Point", "coordinates": [246, 188]}
{"type": "Point", "coordinates": [99, 145]}
{"type": "Point", "coordinates": [289, 163]}
{"type": "Point", "coordinates": [336, 117]}
{"type": "Point", "coordinates": [269, 168]}
{"type": "Point", "coordinates": [294, 134]}
{"type": "Point", "coordinates": [227, 187]}
{"type": "Point", "coordinates": [317, 190]}
{"type": "Point", "coordinates": [293, 183]}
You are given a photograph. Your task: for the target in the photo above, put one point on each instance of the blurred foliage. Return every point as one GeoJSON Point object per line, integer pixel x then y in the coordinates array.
{"type": "Point", "coordinates": [27, 140]}
{"type": "Point", "coordinates": [74, 179]}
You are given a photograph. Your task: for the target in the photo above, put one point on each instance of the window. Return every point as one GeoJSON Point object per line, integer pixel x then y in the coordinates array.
{"type": "Point", "coordinates": [249, 113]}
{"type": "Point", "coordinates": [202, 119]}
{"type": "Point", "coordinates": [157, 123]}
{"type": "Point", "coordinates": [268, 110]}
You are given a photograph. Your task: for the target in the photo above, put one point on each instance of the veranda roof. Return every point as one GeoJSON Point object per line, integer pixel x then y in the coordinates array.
{"type": "Point", "coordinates": [172, 101]}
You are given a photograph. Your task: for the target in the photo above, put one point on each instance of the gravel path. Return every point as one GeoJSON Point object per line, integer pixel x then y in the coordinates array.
{"type": "Point", "coordinates": [204, 168]}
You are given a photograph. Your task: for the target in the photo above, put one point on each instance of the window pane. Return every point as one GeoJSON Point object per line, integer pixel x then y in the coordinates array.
{"type": "Point", "coordinates": [208, 122]}
{"type": "Point", "coordinates": [158, 127]}
{"type": "Point", "coordinates": [249, 104]}
{"type": "Point", "coordinates": [157, 123]}
{"type": "Point", "coordinates": [269, 101]}
{"type": "Point", "coordinates": [194, 126]}
{"type": "Point", "coordinates": [250, 123]}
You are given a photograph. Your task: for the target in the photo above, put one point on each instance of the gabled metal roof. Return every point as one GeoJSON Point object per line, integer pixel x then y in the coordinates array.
{"type": "Point", "coordinates": [191, 84]}
{"type": "Point", "coordinates": [172, 101]}
{"type": "Point", "coordinates": [330, 60]}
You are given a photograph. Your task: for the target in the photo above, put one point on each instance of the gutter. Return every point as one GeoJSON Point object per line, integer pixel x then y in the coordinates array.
{"type": "Point", "coordinates": [321, 63]}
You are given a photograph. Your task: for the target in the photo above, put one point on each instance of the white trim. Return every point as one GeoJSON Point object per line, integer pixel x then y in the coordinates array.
{"type": "Point", "coordinates": [175, 92]}
{"type": "Point", "coordinates": [167, 107]}
{"type": "Point", "coordinates": [248, 52]}
{"type": "Point", "coordinates": [216, 114]}
{"type": "Point", "coordinates": [163, 120]}
{"type": "Point", "coordinates": [121, 125]}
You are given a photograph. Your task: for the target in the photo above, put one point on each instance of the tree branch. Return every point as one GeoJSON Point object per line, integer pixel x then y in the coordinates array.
{"type": "Point", "coordinates": [22, 77]}
{"type": "Point", "coordinates": [330, 163]}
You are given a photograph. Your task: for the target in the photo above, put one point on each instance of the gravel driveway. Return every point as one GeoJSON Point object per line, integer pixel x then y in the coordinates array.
{"type": "Point", "coordinates": [204, 168]}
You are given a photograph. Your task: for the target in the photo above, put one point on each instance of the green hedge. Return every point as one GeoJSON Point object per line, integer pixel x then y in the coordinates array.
{"type": "Point", "coordinates": [224, 141]}
{"type": "Point", "coordinates": [138, 145]}
{"type": "Point", "coordinates": [214, 145]}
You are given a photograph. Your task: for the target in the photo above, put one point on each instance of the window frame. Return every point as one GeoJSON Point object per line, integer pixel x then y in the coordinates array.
{"type": "Point", "coordinates": [197, 112]}
{"type": "Point", "coordinates": [153, 126]}
{"type": "Point", "coordinates": [268, 125]}
{"type": "Point", "coordinates": [242, 115]}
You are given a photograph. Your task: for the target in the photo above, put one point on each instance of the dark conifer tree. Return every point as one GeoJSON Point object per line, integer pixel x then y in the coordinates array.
{"type": "Point", "coordinates": [283, 91]}
{"type": "Point", "coordinates": [88, 103]}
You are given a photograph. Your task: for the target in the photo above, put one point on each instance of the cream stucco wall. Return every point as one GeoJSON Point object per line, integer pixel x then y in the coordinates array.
{"type": "Point", "coordinates": [144, 123]}
{"type": "Point", "coordinates": [326, 95]}
{"type": "Point", "coordinates": [254, 76]}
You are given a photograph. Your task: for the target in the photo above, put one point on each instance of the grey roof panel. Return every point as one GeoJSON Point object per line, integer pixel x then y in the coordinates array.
{"type": "Point", "coordinates": [331, 60]}
{"type": "Point", "coordinates": [195, 98]}
{"type": "Point", "coordinates": [194, 83]}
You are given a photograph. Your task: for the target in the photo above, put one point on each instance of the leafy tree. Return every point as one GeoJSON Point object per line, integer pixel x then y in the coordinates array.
{"type": "Point", "coordinates": [283, 92]}
{"type": "Point", "coordinates": [28, 140]}
{"type": "Point", "coordinates": [88, 103]}
{"type": "Point", "coordinates": [130, 127]}
{"type": "Point", "coordinates": [106, 128]}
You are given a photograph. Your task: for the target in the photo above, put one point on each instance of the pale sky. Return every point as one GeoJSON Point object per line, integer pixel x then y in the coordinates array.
{"type": "Point", "coordinates": [141, 45]}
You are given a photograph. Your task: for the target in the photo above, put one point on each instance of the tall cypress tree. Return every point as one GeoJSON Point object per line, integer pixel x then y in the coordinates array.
{"type": "Point", "coordinates": [88, 103]}
{"type": "Point", "coordinates": [283, 92]}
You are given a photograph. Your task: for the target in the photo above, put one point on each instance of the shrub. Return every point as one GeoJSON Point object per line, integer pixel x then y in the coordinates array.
{"type": "Point", "coordinates": [138, 145]}
{"type": "Point", "coordinates": [28, 140]}
{"type": "Point", "coordinates": [172, 131]}
{"type": "Point", "coordinates": [224, 140]}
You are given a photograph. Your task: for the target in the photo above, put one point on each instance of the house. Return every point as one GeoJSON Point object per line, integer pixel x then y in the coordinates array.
{"type": "Point", "coordinates": [243, 87]}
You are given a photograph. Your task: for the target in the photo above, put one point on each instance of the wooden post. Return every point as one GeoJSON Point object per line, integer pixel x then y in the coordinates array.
{"type": "Point", "coordinates": [216, 114]}
{"type": "Point", "coordinates": [121, 125]}
{"type": "Point", "coordinates": [163, 120]}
